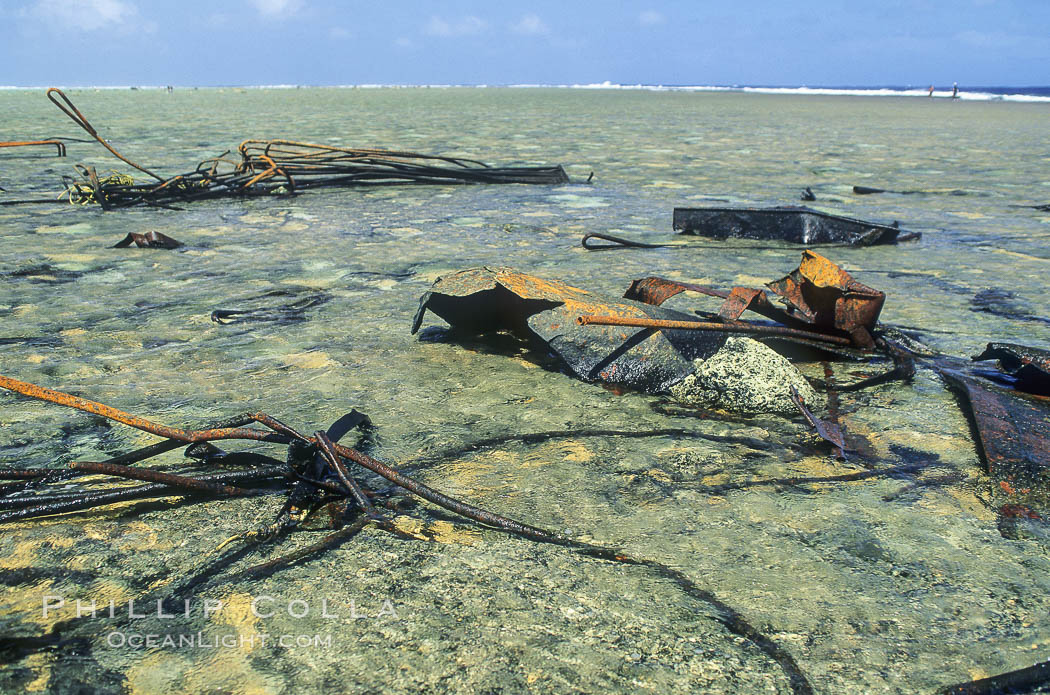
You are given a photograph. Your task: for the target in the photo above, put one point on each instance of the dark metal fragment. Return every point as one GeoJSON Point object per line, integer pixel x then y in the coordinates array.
{"type": "Point", "coordinates": [261, 308]}
{"type": "Point", "coordinates": [149, 240]}
{"type": "Point", "coordinates": [1031, 366]}
{"type": "Point", "coordinates": [1024, 680]}
{"type": "Point", "coordinates": [615, 242]}
{"type": "Point", "coordinates": [799, 225]}
{"type": "Point", "coordinates": [828, 431]}
{"type": "Point", "coordinates": [1012, 431]}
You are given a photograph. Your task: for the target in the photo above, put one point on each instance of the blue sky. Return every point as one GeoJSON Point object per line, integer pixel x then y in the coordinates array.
{"type": "Point", "coordinates": [765, 42]}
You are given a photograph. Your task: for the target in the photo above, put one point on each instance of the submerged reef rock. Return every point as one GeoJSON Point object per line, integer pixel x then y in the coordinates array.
{"type": "Point", "coordinates": [744, 376]}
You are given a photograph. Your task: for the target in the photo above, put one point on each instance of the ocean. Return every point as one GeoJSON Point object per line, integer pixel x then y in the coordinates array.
{"type": "Point", "coordinates": [890, 582]}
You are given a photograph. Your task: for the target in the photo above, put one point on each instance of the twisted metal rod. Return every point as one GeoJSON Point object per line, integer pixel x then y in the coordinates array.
{"type": "Point", "coordinates": [74, 114]}
{"type": "Point", "coordinates": [283, 435]}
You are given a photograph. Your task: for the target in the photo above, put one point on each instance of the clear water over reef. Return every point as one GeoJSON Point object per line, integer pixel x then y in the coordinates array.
{"type": "Point", "coordinates": [888, 583]}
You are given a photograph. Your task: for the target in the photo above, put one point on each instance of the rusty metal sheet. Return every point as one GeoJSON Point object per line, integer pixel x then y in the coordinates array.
{"type": "Point", "coordinates": [824, 295]}
{"type": "Point", "coordinates": [657, 290]}
{"type": "Point", "coordinates": [482, 300]}
{"type": "Point", "coordinates": [1031, 366]}
{"type": "Point", "coordinates": [1013, 437]}
{"type": "Point", "coordinates": [796, 224]}
{"type": "Point", "coordinates": [741, 299]}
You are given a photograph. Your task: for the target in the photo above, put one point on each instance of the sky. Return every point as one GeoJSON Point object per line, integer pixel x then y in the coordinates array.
{"type": "Point", "coordinates": [670, 42]}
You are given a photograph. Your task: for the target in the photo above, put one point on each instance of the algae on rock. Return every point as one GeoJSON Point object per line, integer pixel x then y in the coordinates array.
{"type": "Point", "coordinates": [744, 376]}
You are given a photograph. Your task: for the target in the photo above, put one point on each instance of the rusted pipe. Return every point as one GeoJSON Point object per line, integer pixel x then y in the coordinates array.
{"type": "Point", "coordinates": [46, 394]}
{"type": "Point", "coordinates": [29, 143]}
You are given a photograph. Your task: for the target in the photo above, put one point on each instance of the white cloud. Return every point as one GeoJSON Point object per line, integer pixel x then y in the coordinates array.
{"type": "Point", "coordinates": [650, 18]}
{"type": "Point", "coordinates": [89, 15]}
{"type": "Point", "coordinates": [277, 8]}
{"type": "Point", "coordinates": [438, 26]}
{"type": "Point", "coordinates": [530, 25]}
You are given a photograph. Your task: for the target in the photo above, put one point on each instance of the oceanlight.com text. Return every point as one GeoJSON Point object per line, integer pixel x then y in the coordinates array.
{"type": "Point", "coordinates": [200, 640]}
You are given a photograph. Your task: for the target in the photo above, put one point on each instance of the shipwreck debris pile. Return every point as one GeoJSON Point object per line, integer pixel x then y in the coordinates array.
{"type": "Point", "coordinates": [280, 167]}
{"type": "Point", "coordinates": [637, 344]}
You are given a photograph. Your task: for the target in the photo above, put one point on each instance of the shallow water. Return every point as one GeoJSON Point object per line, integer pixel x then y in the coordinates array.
{"type": "Point", "coordinates": [895, 583]}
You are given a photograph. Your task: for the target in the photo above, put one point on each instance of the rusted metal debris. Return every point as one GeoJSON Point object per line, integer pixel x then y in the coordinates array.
{"type": "Point", "coordinates": [1030, 366]}
{"type": "Point", "coordinates": [281, 167]}
{"type": "Point", "coordinates": [796, 224]}
{"type": "Point", "coordinates": [1025, 680]}
{"type": "Point", "coordinates": [657, 290]}
{"type": "Point", "coordinates": [1012, 431]}
{"type": "Point", "coordinates": [623, 343]}
{"type": "Point", "coordinates": [826, 296]}
{"type": "Point", "coordinates": [739, 327]}
{"type": "Point", "coordinates": [58, 144]}
{"type": "Point", "coordinates": [149, 240]}
{"type": "Point", "coordinates": [616, 242]}
{"type": "Point", "coordinates": [818, 295]}
{"type": "Point", "coordinates": [829, 431]}
{"type": "Point", "coordinates": [283, 306]}
{"type": "Point", "coordinates": [316, 475]}
{"type": "Point", "coordinates": [481, 300]}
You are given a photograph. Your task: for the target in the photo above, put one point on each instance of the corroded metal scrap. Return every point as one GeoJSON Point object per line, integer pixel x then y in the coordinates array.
{"type": "Point", "coordinates": [818, 294]}
{"type": "Point", "coordinates": [58, 144]}
{"type": "Point", "coordinates": [826, 296]}
{"type": "Point", "coordinates": [1013, 437]}
{"type": "Point", "coordinates": [800, 225]}
{"type": "Point", "coordinates": [830, 432]}
{"type": "Point", "coordinates": [485, 299]}
{"type": "Point", "coordinates": [657, 290]}
{"type": "Point", "coordinates": [1031, 366]}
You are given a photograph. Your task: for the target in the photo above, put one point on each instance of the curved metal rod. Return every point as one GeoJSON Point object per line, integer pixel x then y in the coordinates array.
{"type": "Point", "coordinates": [88, 406]}
{"type": "Point", "coordinates": [28, 143]}
{"type": "Point", "coordinates": [617, 242]}
{"type": "Point", "coordinates": [74, 114]}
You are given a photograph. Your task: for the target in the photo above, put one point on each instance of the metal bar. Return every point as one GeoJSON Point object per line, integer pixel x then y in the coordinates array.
{"type": "Point", "coordinates": [707, 326]}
